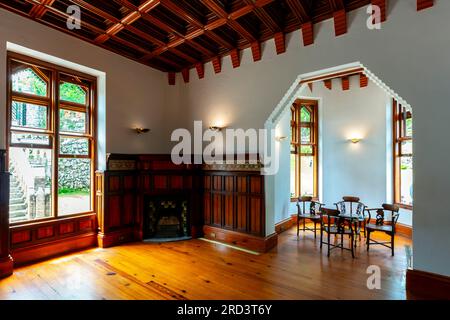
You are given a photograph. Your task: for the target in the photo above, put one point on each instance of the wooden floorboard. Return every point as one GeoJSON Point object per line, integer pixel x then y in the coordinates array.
{"type": "Point", "coordinates": [197, 269]}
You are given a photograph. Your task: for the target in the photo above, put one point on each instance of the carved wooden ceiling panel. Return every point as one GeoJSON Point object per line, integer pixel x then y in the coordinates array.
{"type": "Point", "coordinates": [176, 35]}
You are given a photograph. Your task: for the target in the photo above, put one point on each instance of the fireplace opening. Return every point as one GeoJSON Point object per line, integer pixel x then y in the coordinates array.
{"type": "Point", "coordinates": [166, 218]}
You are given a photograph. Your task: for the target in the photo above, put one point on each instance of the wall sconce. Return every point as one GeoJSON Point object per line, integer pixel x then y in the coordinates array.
{"type": "Point", "coordinates": [355, 140]}
{"type": "Point", "coordinates": [141, 130]}
{"type": "Point", "coordinates": [215, 128]}
{"type": "Point", "coordinates": [280, 138]}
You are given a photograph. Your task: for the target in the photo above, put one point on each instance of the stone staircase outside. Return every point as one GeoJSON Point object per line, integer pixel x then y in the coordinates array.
{"type": "Point", "coordinates": [18, 207]}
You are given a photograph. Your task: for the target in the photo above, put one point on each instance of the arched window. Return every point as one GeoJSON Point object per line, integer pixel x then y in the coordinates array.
{"type": "Point", "coordinates": [304, 148]}
{"type": "Point", "coordinates": [403, 156]}
{"type": "Point", "coordinates": [51, 140]}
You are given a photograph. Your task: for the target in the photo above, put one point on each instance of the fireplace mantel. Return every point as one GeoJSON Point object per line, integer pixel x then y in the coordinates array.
{"type": "Point", "coordinates": [228, 199]}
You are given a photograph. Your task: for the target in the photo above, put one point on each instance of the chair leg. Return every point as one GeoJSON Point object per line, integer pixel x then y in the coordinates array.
{"type": "Point", "coordinates": [368, 240]}
{"type": "Point", "coordinates": [298, 225]}
{"type": "Point", "coordinates": [304, 225]}
{"type": "Point", "coordinates": [364, 224]}
{"type": "Point", "coordinates": [353, 247]}
{"type": "Point", "coordinates": [315, 229]}
{"type": "Point", "coordinates": [392, 243]}
{"type": "Point", "coordinates": [321, 237]}
{"type": "Point", "coordinates": [342, 241]}
{"type": "Point", "coordinates": [329, 242]}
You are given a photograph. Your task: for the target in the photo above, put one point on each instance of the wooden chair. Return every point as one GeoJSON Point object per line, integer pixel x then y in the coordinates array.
{"type": "Point", "coordinates": [351, 205]}
{"type": "Point", "coordinates": [382, 224]}
{"type": "Point", "coordinates": [308, 209]}
{"type": "Point", "coordinates": [331, 223]}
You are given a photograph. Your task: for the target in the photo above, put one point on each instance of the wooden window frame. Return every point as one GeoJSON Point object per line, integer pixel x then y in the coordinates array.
{"type": "Point", "coordinates": [54, 104]}
{"type": "Point", "coordinates": [399, 136]}
{"type": "Point", "coordinates": [296, 142]}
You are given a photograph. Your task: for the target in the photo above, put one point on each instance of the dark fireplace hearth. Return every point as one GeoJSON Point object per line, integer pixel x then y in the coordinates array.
{"type": "Point", "coordinates": [166, 217]}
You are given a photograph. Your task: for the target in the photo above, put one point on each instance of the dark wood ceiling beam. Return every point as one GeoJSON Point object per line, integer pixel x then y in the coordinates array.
{"type": "Point", "coordinates": [216, 38]}
{"type": "Point", "coordinates": [336, 5]}
{"type": "Point", "coordinates": [127, 20]}
{"type": "Point", "coordinates": [221, 13]}
{"type": "Point", "coordinates": [299, 10]}
{"type": "Point", "coordinates": [145, 35]}
{"type": "Point", "coordinates": [265, 18]}
{"type": "Point", "coordinates": [39, 9]}
{"type": "Point", "coordinates": [303, 16]}
{"type": "Point", "coordinates": [65, 15]}
{"type": "Point", "coordinates": [86, 5]}
{"type": "Point", "coordinates": [179, 11]}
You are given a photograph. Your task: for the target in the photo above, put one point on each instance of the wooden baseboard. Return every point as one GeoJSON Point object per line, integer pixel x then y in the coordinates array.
{"type": "Point", "coordinates": [6, 267]}
{"type": "Point", "coordinates": [401, 229]}
{"type": "Point", "coordinates": [243, 240]}
{"type": "Point", "coordinates": [285, 224]}
{"type": "Point", "coordinates": [52, 249]}
{"type": "Point", "coordinates": [114, 238]}
{"type": "Point", "coordinates": [427, 285]}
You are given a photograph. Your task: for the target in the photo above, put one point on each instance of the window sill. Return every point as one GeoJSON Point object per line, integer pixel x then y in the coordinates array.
{"type": "Point", "coordinates": [404, 206]}
{"type": "Point", "coordinates": [49, 221]}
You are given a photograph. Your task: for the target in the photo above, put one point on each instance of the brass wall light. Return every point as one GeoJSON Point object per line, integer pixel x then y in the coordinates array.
{"type": "Point", "coordinates": [141, 130]}
{"type": "Point", "coordinates": [215, 128]}
{"type": "Point", "coordinates": [355, 140]}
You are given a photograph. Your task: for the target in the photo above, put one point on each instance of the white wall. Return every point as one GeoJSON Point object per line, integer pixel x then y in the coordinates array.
{"type": "Point", "coordinates": [409, 53]}
{"type": "Point", "coordinates": [362, 169]}
{"type": "Point", "coordinates": [282, 199]}
{"type": "Point", "coordinates": [135, 94]}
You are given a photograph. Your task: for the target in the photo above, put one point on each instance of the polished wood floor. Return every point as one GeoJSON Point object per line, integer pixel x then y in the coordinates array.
{"type": "Point", "coordinates": [197, 269]}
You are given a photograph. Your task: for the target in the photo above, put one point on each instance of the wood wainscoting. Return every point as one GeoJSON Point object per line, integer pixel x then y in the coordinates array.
{"type": "Point", "coordinates": [223, 197]}
{"type": "Point", "coordinates": [427, 285]}
{"type": "Point", "coordinates": [128, 180]}
{"type": "Point", "coordinates": [6, 261]}
{"type": "Point", "coordinates": [41, 240]}
{"type": "Point", "coordinates": [234, 206]}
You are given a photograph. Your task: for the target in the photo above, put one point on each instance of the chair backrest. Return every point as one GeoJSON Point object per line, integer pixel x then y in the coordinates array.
{"type": "Point", "coordinates": [351, 205]}
{"type": "Point", "coordinates": [306, 205]}
{"type": "Point", "coordinates": [394, 210]}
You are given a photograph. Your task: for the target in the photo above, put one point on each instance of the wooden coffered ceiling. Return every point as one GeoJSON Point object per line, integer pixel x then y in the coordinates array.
{"type": "Point", "coordinates": [177, 35]}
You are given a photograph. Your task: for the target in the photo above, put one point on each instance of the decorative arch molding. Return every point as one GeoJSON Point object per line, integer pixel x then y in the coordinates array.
{"type": "Point", "coordinates": [301, 81]}
{"type": "Point", "coordinates": [284, 106]}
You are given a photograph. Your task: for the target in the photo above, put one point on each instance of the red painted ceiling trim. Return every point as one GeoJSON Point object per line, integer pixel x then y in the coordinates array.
{"type": "Point", "coordinates": [308, 33]}
{"type": "Point", "coordinates": [340, 22]}
{"type": "Point", "coordinates": [235, 58]}
{"type": "Point", "coordinates": [200, 70]}
{"type": "Point", "coordinates": [185, 73]}
{"type": "Point", "coordinates": [256, 51]}
{"type": "Point", "coordinates": [217, 64]}
{"type": "Point", "coordinates": [424, 4]}
{"type": "Point", "coordinates": [171, 76]}
{"type": "Point", "coordinates": [280, 43]}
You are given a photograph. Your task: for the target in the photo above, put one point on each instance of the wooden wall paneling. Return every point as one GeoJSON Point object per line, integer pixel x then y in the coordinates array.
{"type": "Point", "coordinates": [427, 285]}
{"type": "Point", "coordinates": [42, 240]}
{"type": "Point", "coordinates": [6, 261]}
